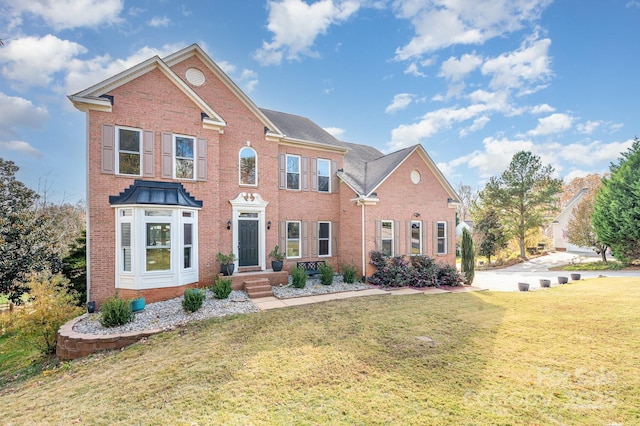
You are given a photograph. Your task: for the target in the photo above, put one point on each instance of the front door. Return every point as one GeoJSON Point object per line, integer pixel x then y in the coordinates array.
{"type": "Point", "coordinates": [247, 242]}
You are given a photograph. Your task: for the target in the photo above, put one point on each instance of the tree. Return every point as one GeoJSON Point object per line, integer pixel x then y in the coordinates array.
{"type": "Point", "coordinates": [28, 242]}
{"type": "Point", "coordinates": [468, 261]}
{"type": "Point", "coordinates": [572, 188]}
{"type": "Point", "coordinates": [467, 198]}
{"type": "Point", "coordinates": [75, 267]}
{"type": "Point", "coordinates": [490, 233]}
{"type": "Point", "coordinates": [580, 230]}
{"type": "Point", "coordinates": [525, 195]}
{"type": "Point", "coordinates": [616, 211]}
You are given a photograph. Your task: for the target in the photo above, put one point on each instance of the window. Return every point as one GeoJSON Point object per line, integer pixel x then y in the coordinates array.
{"type": "Point", "coordinates": [129, 158]}
{"type": "Point", "coordinates": [184, 157]}
{"type": "Point", "coordinates": [248, 166]}
{"type": "Point", "coordinates": [125, 240]}
{"type": "Point", "coordinates": [442, 237]}
{"type": "Point", "coordinates": [293, 239]}
{"type": "Point", "coordinates": [387, 237]}
{"type": "Point", "coordinates": [187, 239]}
{"type": "Point", "coordinates": [324, 171]}
{"type": "Point", "coordinates": [158, 240]}
{"type": "Point", "coordinates": [324, 238]}
{"type": "Point", "coordinates": [293, 172]}
{"type": "Point", "coordinates": [416, 238]}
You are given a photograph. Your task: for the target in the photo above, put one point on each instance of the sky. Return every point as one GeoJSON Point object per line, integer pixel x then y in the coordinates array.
{"type": "Point", "coordinates": [472, 81]}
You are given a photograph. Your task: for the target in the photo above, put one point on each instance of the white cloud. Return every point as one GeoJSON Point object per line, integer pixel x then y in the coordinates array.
{"type": "Point", "coordinates": [589, 126]}
{"type": "Point", "coordinates": [336, 132]}
{"type": "Point", "coordinates": [521, 68]}
{"type": "Point", "coordinates": [21, 147]}
{"type": "Point", "coordinates": [478, 124]}
{"type": "Point", "coordinates": [400, 102]}
{"type": "Point", "coordinates": [554, 123]}
{"type": "Point", "coordinates": [296, 24]}
{"type": "Point", "coordinates": [455, 69]}
{"type": "Point", "coordinates": [542, 109]}
{"type": "Point", "coordinates": [159, 21]}
{"type": "Point", "coordinates": [497, 153]}
{"type": "Point", "coordinates": [18, 112]}
{"type": "Point", "coordinates": [32, 61]}
{"type": "Point", "coordinates": [443, 23]}
{"type": "Point", "coordinates": [413, 69]}
{"type": "Point", "coordinates": [85, 73]}
{"type": "Point", "coordinates": [66, 14]}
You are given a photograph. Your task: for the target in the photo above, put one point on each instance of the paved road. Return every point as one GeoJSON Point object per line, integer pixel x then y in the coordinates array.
{"type": "Point", "coordinates": [532, 271]}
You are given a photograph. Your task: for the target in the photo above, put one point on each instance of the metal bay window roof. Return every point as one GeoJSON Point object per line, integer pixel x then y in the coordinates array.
{"type": "Point", "coordinates": [156, 193]}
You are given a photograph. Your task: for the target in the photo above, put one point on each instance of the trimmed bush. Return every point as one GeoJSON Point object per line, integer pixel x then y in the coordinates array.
{"type": "Point", "coordinates": [349, 273]}
{"type": "Point", "coordinates": [115, 312]}
{"type": "Point", "coordinates": [421, 272]}
{"type": "Point", "coordinates": [326, 274]}
{"type": "Point", "coordinates": [299, 277]}
{"type": "Point", "coordinates": [221, 288]}
{"type": "Point", "coordinates": [193, 299]}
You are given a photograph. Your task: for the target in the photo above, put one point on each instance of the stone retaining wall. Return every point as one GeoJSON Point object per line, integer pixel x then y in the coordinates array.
{"type": "Point", "coordinates": [72, 345]}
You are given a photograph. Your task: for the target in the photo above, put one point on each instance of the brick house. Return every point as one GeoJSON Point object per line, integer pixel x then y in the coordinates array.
{"type": "Point", "coordinates": [182, 165]}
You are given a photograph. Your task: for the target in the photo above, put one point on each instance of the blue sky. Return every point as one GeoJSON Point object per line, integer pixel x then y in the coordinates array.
{"type": "Point", "coordinates": [474, 82]}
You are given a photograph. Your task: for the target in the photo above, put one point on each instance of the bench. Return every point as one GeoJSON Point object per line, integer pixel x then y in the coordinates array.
{"type": "Point", "coordinates": [311, 267]}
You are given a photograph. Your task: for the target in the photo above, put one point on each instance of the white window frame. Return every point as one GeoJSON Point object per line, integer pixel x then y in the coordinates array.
{"type": "Point", "coordinates": [419, 228]}
{"type": "Point", "coordinates": [390, 239]}
{"type": "Point", "coordinates": [138, 278]}
{"type": "Point", "coordinates": [126, 218]}
{"type": "Point", "coordinates": [328, 175]}
{"type": "Point", "coordinates": [118, 150]}
{"type": "Point", "coordinates": [298, 239]}
{"type": "Point", "coordinates": [442, 238]}
{"type": "Point", "coordinates": [164, 218]}
{"type": "Point", "coordinates": [327, 239]}
{"type": "Point", "coordinates": [194, 159]}
{"type": "Point", "coordinates": [255, 165]}
{"type": "Point", "coordinates": [298, 172]}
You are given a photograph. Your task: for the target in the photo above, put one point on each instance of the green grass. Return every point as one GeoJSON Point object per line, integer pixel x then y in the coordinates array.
{"type": "Point", "coordinates": [610, 265]}
{"type": "Point", "coordinates": [567, 355]}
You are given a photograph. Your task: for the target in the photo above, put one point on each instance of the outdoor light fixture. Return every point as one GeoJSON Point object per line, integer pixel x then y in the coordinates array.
{"type": "Point", "coordinates": [228, 224]}
{"type": "Point", "coordinates": [269, 225]}
{"type": "Point", "coordinates": [416, 214]}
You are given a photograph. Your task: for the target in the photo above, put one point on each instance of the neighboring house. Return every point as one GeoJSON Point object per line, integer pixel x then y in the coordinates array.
{"type": "Point", "coordinates": [560, 225]}
{"type": "Point", "coordinates": [183, 165]}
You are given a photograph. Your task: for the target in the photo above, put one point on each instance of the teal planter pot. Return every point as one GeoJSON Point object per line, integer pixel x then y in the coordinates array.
{"type": "Point", "coordinates": [138, 304]}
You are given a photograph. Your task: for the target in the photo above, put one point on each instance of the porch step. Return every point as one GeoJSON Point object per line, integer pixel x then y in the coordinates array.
{"type": "Point", "coordinates": [258, 288]}
{"type": "Point", "coordinates": [249, 269]}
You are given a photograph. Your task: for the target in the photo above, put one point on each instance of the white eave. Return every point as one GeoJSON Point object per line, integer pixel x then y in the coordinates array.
{"type": "Point", "coordinates": [366, 200]}
{"type": "Point", "coordinates": [90, 99]}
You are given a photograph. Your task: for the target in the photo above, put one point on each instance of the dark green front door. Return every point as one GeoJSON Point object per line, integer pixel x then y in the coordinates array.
{"type": "Point", "coordinates": [247, 242]}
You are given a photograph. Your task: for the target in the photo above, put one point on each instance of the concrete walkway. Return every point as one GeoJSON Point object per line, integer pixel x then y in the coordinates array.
{"type": "Point", "coordinates": [266, 303]}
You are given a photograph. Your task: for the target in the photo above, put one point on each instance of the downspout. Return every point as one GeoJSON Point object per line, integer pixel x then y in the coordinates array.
{"type": "Point", "coordinates": [364, 256]}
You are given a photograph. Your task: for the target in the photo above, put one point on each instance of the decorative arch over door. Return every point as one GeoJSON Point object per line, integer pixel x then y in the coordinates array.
{"type": "Point", "coordinates": [248, 215]}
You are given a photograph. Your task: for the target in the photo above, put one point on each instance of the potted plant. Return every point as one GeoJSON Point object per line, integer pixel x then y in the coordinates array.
{"type": "Point", "coordinates": [137, 304]}
{"type": "Point", "coordinates": [277, 259]}
{"type": "Point", "coordinates": [227, 264]}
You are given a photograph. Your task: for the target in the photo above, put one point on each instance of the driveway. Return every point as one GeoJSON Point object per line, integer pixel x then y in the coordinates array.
{"type": "Point", "coordinates": [533, 270]}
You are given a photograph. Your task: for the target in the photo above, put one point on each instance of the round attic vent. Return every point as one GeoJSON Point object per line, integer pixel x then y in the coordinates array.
{"type": "Point", "coordinates": [415, 176]}
{"type": "Point", "coordinates": [195, 76]}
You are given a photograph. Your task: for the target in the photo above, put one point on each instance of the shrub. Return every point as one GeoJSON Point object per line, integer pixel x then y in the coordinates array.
{"type": "Point", "coordinates": [299, 277]}
{"type": "Point", "coordinates": [193, 299]}
{"type": "Point", "coordinates": [115, 312]}
{"type": "Point", "coordinates": [421, 272]}
{"type": "Point", "coordinates": [349, 273]}
{"type": "Point", "coordinates": [51, 302]}
{"type": "Point", "coordinates": [326, 274]}
{"type": "Point", "coordinates": [221, 288]}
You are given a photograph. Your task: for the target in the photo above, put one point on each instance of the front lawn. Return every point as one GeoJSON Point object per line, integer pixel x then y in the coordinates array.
{"type": "Point", "coordinates": [568, 355]}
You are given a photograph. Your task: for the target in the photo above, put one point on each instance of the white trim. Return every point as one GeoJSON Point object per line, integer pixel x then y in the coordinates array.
{"type": "Point", "coordinates": [117, 149]}
{"type": "Point", "coordinates": [293, 239]}
{"type": "Point", "coordinates": [328, 239]}
{"type": "Point", "coordinates": [194, 159]}
{"type": "Point", "coordinates": [444, 238]}
{"type": "Point", "coordinates": [328, 176]}
{"type": "Point", "coordinates": [392, 238]}
{"type": "Point", "coordinates": [421, 250]}
{"type": "Point", "coordinates": [255, 154]}
{"type": "Point", "coordinates": [247, 202]}
{"type": "Point", "coordinates": [299, 188]}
